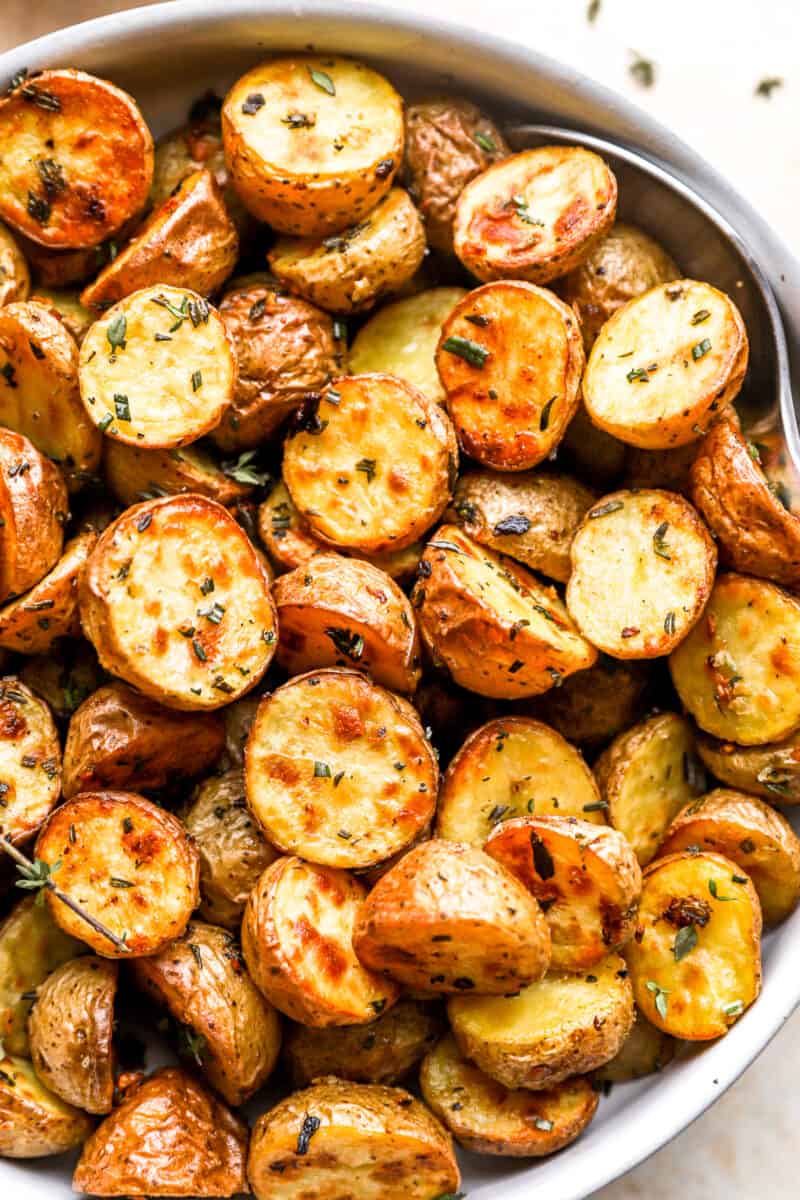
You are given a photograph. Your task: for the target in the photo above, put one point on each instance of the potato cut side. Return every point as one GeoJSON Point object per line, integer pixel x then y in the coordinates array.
{"type": "Point", "coordinates": [535, 215]}
{"type": "Point", "coordinates": [592, 706]}
{"type": "Point", "coordinates": [645, 1051]}
{"type": "Point", "coordinates": [49, 610]}
{"type": "Point", "coordinates": [33, 512]}
{"type": "Point", "coordinates": [133, 474]}
{"type": "Point", "coordinates": [510, 359]}
{"type": "Point", "coordinates": [339, 771]}
{"type": "Point", "coordinates": [643, 567]}
{"type": "Point", "coordinates": [15, 278]}
{"type": "Point", "coordinates": [158, 369]}
{"type": "Point", "coordinates": [771, 771]}
{"type": "Point", "coordinates": [206, 633]}
{"type": "Point", "coordinates": [30, 761]}
{"type": "Point", "coordinates": [67, 307]}
{"type": "Point", "coordinates": [33, 1121]}
{"type": "Point", "coordinates": [666, 364]}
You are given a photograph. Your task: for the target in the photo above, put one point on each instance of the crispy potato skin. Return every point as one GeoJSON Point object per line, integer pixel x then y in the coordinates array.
{"type": "Point", "coordinates": [15, 278]}
{"type": "Point", "coordinates": [370, 1141]}
{"type": "Point", "coordinates": [49, 610]}
{"type": "Point", "coordinates": [169, 1137]}
{"type": "Point", "coordinates": [592, 706]}
{"type": "Point", "coordinates": [71, 1028]}
{"type": "Point", "coordinates": [67, 307]}
{"type": "Point", "coordinates": [771, 771]}
{"type": "Point", "coordinates": [644, 1051]}
{"type": "Point", "coordinates": [97, 183]}
{"type": "Point", "coordinates": [34, 1122]}
{"type": "Point", "coordinates": [30, 760]}
{"type": "Point", "coordinates": [194, 147]}
{"type": "Point", "coordinates": [134, 474]}
{"type": "Point", "coordinates": [33, 510]}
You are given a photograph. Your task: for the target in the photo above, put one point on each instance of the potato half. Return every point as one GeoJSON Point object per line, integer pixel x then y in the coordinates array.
{"type": "Point", "coordinates": [133, 474]}
{"type": "Point", "coordinates": [645, 1051]}
{"type": "Point", "coordinates": [31, 623]}
{"type": "Point", "coordinates": [771, 771]}
{"type": "Point", "coordinates": [33, 512]}
{"type": "Point", "coordinates": [594, 705]}
{"type": "Point", "coordinates": [33, 1121]}
{"type": "Point", "coordinates": [67, 307]}
{"type": "Point", "coordinates": [195, 146]}
{"type": "Point", "coordinates": [15, 278]}
{"type": "Point", "coordinates": [30, 761]}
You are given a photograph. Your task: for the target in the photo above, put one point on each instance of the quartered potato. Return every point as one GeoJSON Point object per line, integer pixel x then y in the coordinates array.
{"type": "Point", "coordinates": [15, 278]}
{"type": "Point", "coordinates": [339, 771]}
{"type": "Point", "coordinates": [753, 836]}
{"type": "Point", "coordinates": [560, 1027]}
{"type": "Point", "coordinates": [488, 1118]}
{"type": "Point", "coordinates": [158, 369]}
{"type": "Point", "coordinates": [67, 307]}
{"type": "Point", "coordinates": [133, 474]}
{"type": "Point", "coordinates": [695, 959]}
{"type": "Point", "coordinates": [71, 1028]}
{"type": "Point", "coordinates": [59, 186]}
{"type": "Point", "coordinates": [510, 767]}
{"type": "Point", "coordinates": [645, 1051]}
{"type": "Point", "coordinates": [646, 776]}
{"type": "Point", "coordinates": [206, 632]}
{"type": "Point", "coordinates": [312, 142]}
{"type": "Point", "coordinates": [535, 215]}
{"type": "Point", "coordinates": [352, 487]}
{"type": "Point", "coordinates": [467, 597]}
{"type": "Point", "coordinates": [129, 863]}
{"type": "Point", "coordinates": [510, 359]}
{"type": "Point", "coordinates": [771, 771]}
{"type": "Point", "coordinates": [737, 671]}
{"type": "Point", "coordinates": [297, 938]}
{"type": "Point", "coordinates": [643, 567]}
{"type": "Point", "coordinates": [666, 365]}
{"type": "Point", "coordinates": [31, 623]}
{"type": "Point", "coordinates": [446, 919]}
{"type": "Point", "coordinates": [586, 877]}
{"type": "Point", "coordinates": [592, 706]}
{"type": "Point", "coordinates": [33, 1121]}
{"type": "Point", "coordinates": [30, 761]}
{"type": "Point", "coordinates": [33, 512]}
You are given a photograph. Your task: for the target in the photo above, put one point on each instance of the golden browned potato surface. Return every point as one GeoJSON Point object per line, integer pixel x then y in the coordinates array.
{"type": "Point", "coordinates": [31, 623]}
{"type": "Point", "coordinates": [771, 771]}
{"type": "Point", "coordinates": [33, 512]}
{"type": "Point", "coordinates": [30, 760]}
{"type": "Point", "coordinates": [33, 1121]}
{"type": "Point", "coordinates": [15, 278]}
{"type": "Point", "coordinates": [133, 474]}
{"type": "Point", "coordinates": [645, 1051]}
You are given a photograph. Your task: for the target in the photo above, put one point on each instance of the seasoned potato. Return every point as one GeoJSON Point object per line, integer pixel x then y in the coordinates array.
{"type": "Point", "coordinates": [592, 706]}
{"type": "Point", "coordinates": [312, 142]}
{"type": "Point", "coordinates": [68, 308]}
{"type": "Point", "coordinates": [666, 364]}
{"type": "Point", "coordinates": [562, 1026]}
{"type": "Point", "coordinates": [30, 761]}
{"type": "Point", "coordinates": [71, 1029]}
{"type": "Point", "coordinates": [753, 836]}
{"type": "Point", "coordinates": [339, 771]}
{"type": "Point", "coordinates": [468, 596]}
{"type": "Point", "coordinates": [121, 739]}
{"type": "Point", "coordinates": [353, 489]}
{"type": "Point", "coordinates": [643, 567]}
{"type": "Point", "coordinates": [67, 268]}
{"type": "Point", "coordinates": [645, 1051]}
{"type": "Point", "coordinates": [15, 278]}
{"type": "Point", "coordinates": [129, 863]}
{"type": "Point", "coordinates": [594, 455]}
{"type": "Point", "coordinates": [96, 183]}
{"type": "Point", "coordinates": [771, 771]}
{"type": "Point", "coordinates": [737, 671]}
{"type": "Point", "coordinates": [535, 215]}
{"type": "Point", "coordinates": [510, 767]}
{"type": "Point", "coordinates": [133, 474]}
{"type": "Point", "coordinates": [297, 940]}
{"type": "Point", "coordinates": [33, 512]}
{"type": "Point", "coordinates": [696, 901]}
{"type": "Point", "coordinates": [338, 1139]}
{"type": "Point", "coordinates": [168, 1137]}
{"type": "Point", "coordinates": [508, 413]}
{"type": "Point", "coordinates": [238, 720]}
{"type": "Point", "coordinates": [65, 676]}
{"type": "Point", "coordinates": [532, 517]}
{"type": "Point", "coordinates": [585, 876]}
{"type": "Point", "coordinates": [449, 712]}
{"type": "Point", "coordinates": [31, 623]}
{"type": "Point", "coordinates": [34, 1122]}
{"type": "Point", "coordinates": [646, 776]}
{"type": "Point", "coordinates": [661, 468]}
{"type": "Point", "coordinates": [163, 334]}
{"type": "Point", "coordinates": [207, 633]}
{"type": "Point", "coordinates": [487, 1118]}
{"type": "Point", "coordinates": [446, 918]}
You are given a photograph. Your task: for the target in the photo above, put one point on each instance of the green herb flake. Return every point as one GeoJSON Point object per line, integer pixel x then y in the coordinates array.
{"type": "Point", "coordinates": [643, 70]}
{"type": "Point", "coordinates": [700, 316]}
{"type": "Point", "coordinates": [244, 469]}
{"type": "Point", "coordinates": [659, 542]}
{"type": "Point", "coordinates": [116, 882]}
{"type": "Point", "coordinates": [348, 643]}
{"type": "Point", "coordinates": [593, 11]}
{"type": "Point", "coordinates": [322, 770]}
{"type": "Point", "coordinates": [606, 509]}
{"type": "Point", "coordinates": [104, 422]}
{"type": "Point", "coordinates": [544, 419]}
{"type": "Point", "coordinates": [196, 954]}
{"type": "Point", "coordinates": [197, 380]}
{"type": "Point", "coordinates": [543, 1124]}
{"type": "Point", "coordinates": [116, 332]}
{"type": "Point", "coordinates": [323, 81]}
{"type": "Point", "coordinates": [735, 1009]}
{"type": "Point", "coordinates": [701, 349]}
{"type": "Point", "coordinates": [200, 653]}
{"type": "Point", "coordinates": [122, 407]}
{"type": "Point", "coordinates": [712, 887]}
{"type": "Point", "coordinates": [685, 942]}
{"type": "Point", "coordinates": [765, 87]}
{"type": "Point", "coordinates": [471, 352]}
{"type": "Point", "coordinates": [660, 998]}
{"type": "Point", "coordinates": [485, 142]}
{"type": "Point", "coordinates": [367, 467]}
{"type": "Point", "coordinates": [310, 1124]}
{"type": "Point", "coordinates": [669, 623]}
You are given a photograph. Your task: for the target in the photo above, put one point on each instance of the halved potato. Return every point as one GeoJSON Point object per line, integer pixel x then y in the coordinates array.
{"type": "Point", "coordinates": [771, 771]}
{"type": "Point", "coordinates": [666, 364]}
{"type": "Point", "coordinates": [508, 768]}
{"type": "Point", "coordinates": [68, 308]}
{"type": "Point", "coordinates": [487, 1118]}
{"type": "Point", "coordinates": [562, 1026]}
{"type": "Point", "coordinates": [33, 1121]}
{"type": "Point", "coordinates": [468, 597]}
{"type": "Point", "coordinates": [33, 511]}
{"type": "Point", "coordinates": [31, 623]}
{"type": "Point", "coordinates": [339, 771]}
{"type": "Point", "coordinates": [134, 474]}
{"type": "Point", "coordinates": [58, 185]}
{"type": "Point", "coordinates": [643, 567]}
{"type": "Point", "coordinates": [535, 215]}
{"type": "Point", "coordinates": [15, 278]}
{"type": "Point", "coordinates": [297, 938]}
{"type": "Point", "coordinates": [592, 706]}
{"type": "Point", "coordinates": [510, 359]}
{"type": "Point", "coordinates": [30, 761]}
{"type": "Point", "coordinates": [128, 863]}
{"type": "Point", "coordinates": [158, 369]}
{"type": "Point", "coordinates": [737, 671]}
{"type": "Point", "coordinates": [586, 878]}
{"type": "Point", "coordinates": [695, 960]}
{"type": "Point", "coordinates": [206, 633]}
{"type": "Point", "coordinates": [645, 1051]}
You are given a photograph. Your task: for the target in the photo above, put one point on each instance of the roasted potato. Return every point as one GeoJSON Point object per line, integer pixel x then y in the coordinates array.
{"type": "Point", "coordinates": [31, 623]}
{"type": "Point", "coordinates": [129, 863]}
{"type": "Point", "coordinates": [15, 278]}
{"type": "Point", "coordinates": [339, 771]}
{"type": "Point", "coordinates": [34, 1122]}
{"type": "Point", "coordinates": [592, 706]}
{"type": "Point", "coordinates": [312, 142]}
{"type": "Point", "coordinates": [71, 1028]}
{"type": "Point", "coordinates": [667, 469]}
{"type": "Point", "coordinates": [339, 1138]}
{"type": "Point", "coordinates": [65, 676]}
{"type": "Point", "coordinates": [68, 268]}
{"type": "Point", "coordinates": [133, 474]}
{"type": "Point", "coordinates": [33, 512]}
{"type": "Point", "coordinates": [30, 761]}
{"type": "Point", "coordinates": [643, 567]}
{"type": "Point", "coordinates": [696, 901]}
{"type": "Point", "coordinates": [509, 413]}
{"type": "Point", "coordinates": [207, 633]}
{"type": "Point", "coordinates": [297, 940]}
{"type": "Point", "coordinates": [645, 1051]}
{"type": "Point", "coordinates": [594, 455]}
{"type": "Point", "coordinates": [771, 771]}
{"type": "Point", "coordinates": [68, 308]}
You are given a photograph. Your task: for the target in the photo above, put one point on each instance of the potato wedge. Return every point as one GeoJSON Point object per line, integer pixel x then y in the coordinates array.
{"type": "Point", "coordinates": [33, 512]}
{"type": "Point", "coordinates": [30, 761]}
{"type": "Point", "coordinates": [200, 574]}
{"type": "Point", "coordinates": [312, 142]}
{"type": "Point", "coordinates": [771, 771]}
{"type": "Point", "coordinates": [643, 567]}
{"type": "Point", "coordinates": [645, 1051]}
{"type": "Point", "coordinates": [15, 278]}
{"type": "Point", "coordinates": [297, 940]}
{"type": "Point", "coordinates": [68, 308]}
{"type": "Point", "coordinates": [509, 413]}
{"type": "Point", "coordinates": [71, 1028]}
{"type": "Point", "coordinates": [134, 475]}
{"type": "Point", "coordinates": [696, 901]}
{"type": "Point", "coordinates": [666, 364]}
{"type": "Point", "coordinates": [586, 878]}
{"type": "Point", "coordinates": [129, 863]}
{"type": "Point", "coordinates": [339, 771]}
{"type": "Point", "coordinates": [31, 623]}
{"type": "Point", "coordinates": [33, 1121]}
{"type": "Point", "coordinates": [592, 706]}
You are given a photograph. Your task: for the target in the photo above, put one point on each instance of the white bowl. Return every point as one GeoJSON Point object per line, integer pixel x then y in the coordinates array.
{"type": "Point", "coordinates": [168, 54]}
